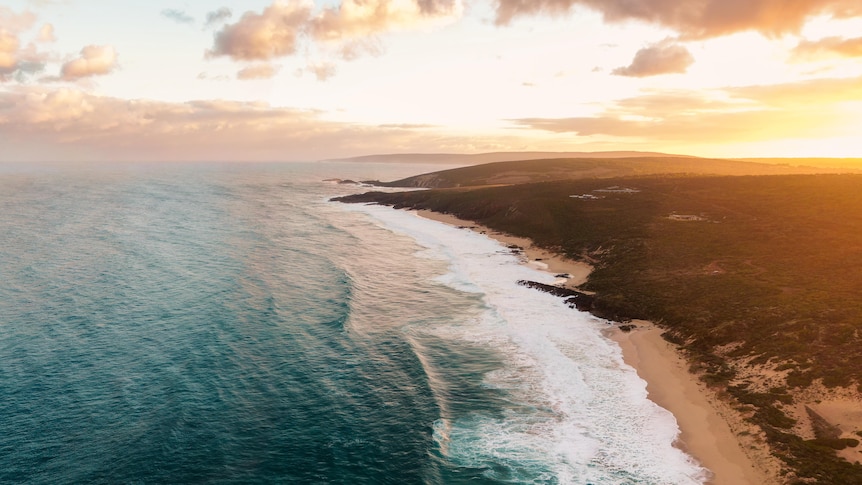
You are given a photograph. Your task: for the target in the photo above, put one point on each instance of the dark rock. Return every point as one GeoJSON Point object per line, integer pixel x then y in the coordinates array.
{"type": "Point", "coordinates": [823, 429]}
{"type": "Point", "coordinates": [579, 301]}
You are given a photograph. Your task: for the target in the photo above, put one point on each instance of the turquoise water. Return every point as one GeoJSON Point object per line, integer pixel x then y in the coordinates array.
{"type": "Point", "coordinates": [226, 324]}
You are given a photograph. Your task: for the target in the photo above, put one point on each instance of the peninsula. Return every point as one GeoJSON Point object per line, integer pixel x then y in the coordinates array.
{"type": "Point", "coordinates": [748, 270]}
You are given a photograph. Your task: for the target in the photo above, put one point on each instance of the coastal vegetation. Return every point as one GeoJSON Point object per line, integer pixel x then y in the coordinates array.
{"type": "Point", "coordinates": [745, 273]}
{"type": "Point", "coordinates": [555, 169]}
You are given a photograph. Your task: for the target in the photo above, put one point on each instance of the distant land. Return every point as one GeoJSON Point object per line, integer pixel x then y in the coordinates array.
{"type": "Point", "coordinates": [482, 158]}
{"type": "Point", "coordinates": [475, 159]}
{"type": "Point", "coordinates": [751, 268]}
{"type": "Point", "coordinates": [851, 163]}
{"type": "Point", "coordinates": [573, 168]}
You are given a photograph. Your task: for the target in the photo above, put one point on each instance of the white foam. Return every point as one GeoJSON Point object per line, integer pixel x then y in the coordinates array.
{"type": "Point", "coordinates": [579, 414]}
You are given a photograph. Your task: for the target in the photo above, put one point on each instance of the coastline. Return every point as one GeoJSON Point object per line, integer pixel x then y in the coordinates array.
{"type": "Point", "coordinates": [706, 424]}
{"type": "Point", "coordinates": [706, 427]}
{"type": "Point", "coordinates": [536, 257]}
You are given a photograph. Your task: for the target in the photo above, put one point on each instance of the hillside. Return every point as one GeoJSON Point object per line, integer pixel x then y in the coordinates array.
{"type": "Point", "coordinates": [529, 171]}
{"type": "Point", "coordinates": [755, 277]}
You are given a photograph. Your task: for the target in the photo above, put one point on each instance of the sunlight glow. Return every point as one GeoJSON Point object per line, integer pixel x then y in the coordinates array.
{"type": "Point", "coordinates": [419, 76]}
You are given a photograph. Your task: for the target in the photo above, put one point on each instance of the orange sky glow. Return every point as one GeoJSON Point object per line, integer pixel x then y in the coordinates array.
{"type": "Point", "coordinates": [308, 80]}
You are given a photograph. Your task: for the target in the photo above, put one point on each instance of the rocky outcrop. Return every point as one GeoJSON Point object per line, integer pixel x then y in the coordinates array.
{"type": "Point", "coordinates": [579, 301]}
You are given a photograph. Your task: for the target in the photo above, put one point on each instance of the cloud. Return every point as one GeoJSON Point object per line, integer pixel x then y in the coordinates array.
{"type": "Point", "coordinates": [663, 124]}
{"type": "Point", "coordinates": [362, 18]}
{"type": "Point", "coordinates": [72, 117]}
{"type": "Point", "coordinates": [270, 34]}
{"type": "Point", "coordinates": [218, 77]}
{"type": "Point", "coordinates": [46, 34]}
{"type": "Point", "coordinates": [8, 52]}
{"type": "Point", "coordinates": [695, 18]}
{"type": "Point", "coordinates": [15, 22]}
{"type": "Point", "coordinates": [280, 28]}
{"type": "Point", "coordinates": [815, 92]}
{"type": "Point", "coordinates": [69, 124]}
{"type": "Point", "coordinates": [28, 67]}
{"type": "Point", "coordinates": [16, 62]}
{"type": "Point", "coordinates": [11, 25]}
{"type": "Point", "coordinates": [350, 51]}
{"type": "Point", "coordinates": [711, 128]}
{"type": "Point", "coordinates": [662, 58]}
{"type": "Point", "coordinates": [829, 47]}
{"type": "Point", "coordinates": [407, 126]}
{"type": "Point", "coordinates": [810, 109]}
{"type": "Point", "coordinates": [437, 7]}
{"type": "Point", "coordinates": [257, 71]}
{"type": "Point", "coordinates": [178, 16]}
{"type": "Point", "coordinates": [47, 3]}
{"type": "Point", "coordinates": [39, 107]}
{"type": "Point", "coordinates": [217, 16]}
{"type": "Point", "coordinates": [95, 60]}
{"type": "Point", "coordinates": [322, 71]}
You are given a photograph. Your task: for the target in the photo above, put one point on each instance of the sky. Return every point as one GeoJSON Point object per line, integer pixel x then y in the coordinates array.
{"type": "Point", "coordinates": [290, 80]}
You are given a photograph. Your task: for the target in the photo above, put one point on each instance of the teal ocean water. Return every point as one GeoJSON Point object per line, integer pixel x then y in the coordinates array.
{"type": "Point", "coordinates": [225, 323]}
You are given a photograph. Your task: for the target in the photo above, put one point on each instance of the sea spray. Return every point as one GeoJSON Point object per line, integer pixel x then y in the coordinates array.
{"type": "Point", "coordinates": [575, 412]}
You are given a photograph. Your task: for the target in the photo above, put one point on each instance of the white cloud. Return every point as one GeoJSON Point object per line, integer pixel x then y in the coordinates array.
{"type": "Point", "coordinates": [829, 47]}
{"type": "Point", "coordinates": [280, 28]}
{"type": "Point", "coordinates": [8, 52]}
{"type": "Point", "coordinates": [17, 62]}
{"type": "Point", "coordinates": [257, 71]}
{"type": "Point", "coordinates": [95, 60]}
{"type": "Point", "coordinates": [322, 71]}
{"type": "Point", "coordinates": [15, 22]}
{"type": "Point", "coordinates": [270, 34]}
{"type": "Point", "coordinates": [693, 18]}
{"type": "Point", "coordinates": [664, 57]}
{"type": "Point", "coordinates": [69, 124]}
{"type": "Point", "coordinates": [46, 34]}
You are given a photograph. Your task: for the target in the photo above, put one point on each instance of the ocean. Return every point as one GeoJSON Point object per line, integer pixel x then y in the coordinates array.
{"type": "Point", "coordinates": [226, 323]}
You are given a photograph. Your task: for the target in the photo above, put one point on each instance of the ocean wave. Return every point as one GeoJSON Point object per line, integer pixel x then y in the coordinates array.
{"type": "Point", "coordinates": [576, 413]}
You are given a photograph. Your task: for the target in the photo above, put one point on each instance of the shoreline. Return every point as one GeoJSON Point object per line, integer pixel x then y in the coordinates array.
{"type": "Point", "coordinates": [536, 257]}
{"type": "Point", "coordinates": [706, 424]}
{"type": "Point", "coordinates": [706, 427]}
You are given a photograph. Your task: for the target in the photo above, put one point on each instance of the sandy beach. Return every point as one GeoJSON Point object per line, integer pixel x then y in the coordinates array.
{"type": "Point", "coordinates": [712, 432]}
{"type": "Point", "coordinates": [706, 424]}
